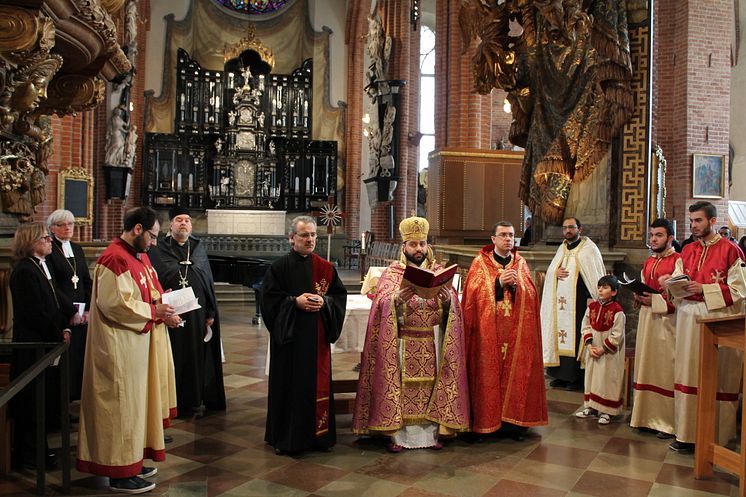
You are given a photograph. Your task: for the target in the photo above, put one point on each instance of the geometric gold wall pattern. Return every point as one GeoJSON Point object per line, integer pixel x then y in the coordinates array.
{"type": "Point", "coordinates": [635, 144]}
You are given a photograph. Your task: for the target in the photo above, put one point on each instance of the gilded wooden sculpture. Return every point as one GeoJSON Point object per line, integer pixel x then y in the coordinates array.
{"type": "Point", "coordinates": [565, 65]}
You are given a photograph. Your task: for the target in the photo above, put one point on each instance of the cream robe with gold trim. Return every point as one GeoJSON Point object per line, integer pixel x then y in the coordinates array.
{"type": "Point", "coordinates": [127, 368]}
{"type": "Point", "coordinates": [558, 297]}
{"type": "Point", "coordinates": [718, 264]}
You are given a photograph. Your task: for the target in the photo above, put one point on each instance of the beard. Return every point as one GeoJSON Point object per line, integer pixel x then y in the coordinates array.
{"type": "Point", "coordinates": [140, 244]}
{"type": "Point", "coordinates": [660, 249]}
{"type": "Point", "coordinates": [705, 232]}
{"type": "Point", "coordinates": [414, 258]}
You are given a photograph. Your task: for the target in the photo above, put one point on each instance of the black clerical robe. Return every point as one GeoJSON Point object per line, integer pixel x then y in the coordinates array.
{"type": "Point", "coordinates": [40, 313]}
{"type": "Point", "coordinates": [300, 413]}
{"type": "Point", "coordinates": [197, 364]}
{"type": "Point", "coordinates": [64, 269]}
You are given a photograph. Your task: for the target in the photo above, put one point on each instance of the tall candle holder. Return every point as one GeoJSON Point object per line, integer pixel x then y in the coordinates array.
{"type": "Point", "coordinates": [365, 239]}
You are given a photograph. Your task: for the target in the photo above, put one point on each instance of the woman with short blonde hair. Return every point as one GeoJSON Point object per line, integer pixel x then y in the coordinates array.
{"type": "Point", "coordinates": [25, 240]}
{"type": "Point", "coordinates": [40, 314]}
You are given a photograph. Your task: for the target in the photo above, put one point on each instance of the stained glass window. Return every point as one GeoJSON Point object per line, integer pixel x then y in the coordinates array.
{"type": "Point", "coordinates": [254, 7]}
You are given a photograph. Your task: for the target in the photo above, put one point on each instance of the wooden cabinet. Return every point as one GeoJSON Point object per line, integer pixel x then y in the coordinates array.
{"type": "Point", "coordinates": [471, 189]}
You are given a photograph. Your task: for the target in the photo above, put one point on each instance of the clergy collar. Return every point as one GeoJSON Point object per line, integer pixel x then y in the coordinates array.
{"type": "Point", "coordinates": [500, 259]}
{"type": "Point", "coordinates": [572, 245]}
{"type": "Point", "coordinates": [299, 256]}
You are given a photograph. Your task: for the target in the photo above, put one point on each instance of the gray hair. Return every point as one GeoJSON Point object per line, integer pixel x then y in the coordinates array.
{"type": "Point", "coordinates": [300, 219]}
{"type": "Point", "coordinates": [60, 216]}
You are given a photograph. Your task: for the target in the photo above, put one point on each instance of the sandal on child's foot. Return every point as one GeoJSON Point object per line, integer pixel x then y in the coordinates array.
{"type": "Point", "coordinates": [586, 413]}
{"type": "Point", "coordinates": [604, 419]}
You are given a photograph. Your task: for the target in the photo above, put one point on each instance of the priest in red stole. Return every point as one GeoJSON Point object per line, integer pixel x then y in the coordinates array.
{"type": "Point", "coordinates": [303, 306]}
{"type": "Point", "coordinates": [413, 384]}
{"type": "Point", "coordinates": [503, 336]}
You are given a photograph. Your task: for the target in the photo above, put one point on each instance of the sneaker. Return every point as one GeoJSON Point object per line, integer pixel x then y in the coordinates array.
{"type": "Point", "coordinates": [682, 447]}
{"type": "Point", "coordinates": [132, 485]}
{"type": "Point", "coordinates": [586, 413]}
{"type": "Point", "coordinates": [147, 472]}
{"type": "Point", "coordinates": [604, 419]}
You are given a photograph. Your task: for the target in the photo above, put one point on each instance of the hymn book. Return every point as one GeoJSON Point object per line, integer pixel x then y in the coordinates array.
{"type": "Point", "coordinates": [636, 286]}
{"type": "Point", "coordinates": [677, 286]}
{"type": "Point", "coordinates": [427, 283]}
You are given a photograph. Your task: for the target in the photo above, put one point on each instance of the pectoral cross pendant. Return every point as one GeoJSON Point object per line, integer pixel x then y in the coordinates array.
{"type": "Point", "coordinates": [75, 280]}
{"type": "Point", "coordinates": [183, 282]}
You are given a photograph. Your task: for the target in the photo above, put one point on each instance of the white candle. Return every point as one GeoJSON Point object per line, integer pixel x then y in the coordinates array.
{"type": "Point", "coordinates": [297, 184]}
{"type": "Point", "coordinates": [308, 184]}
{"type": "Point", "coordinates": [178, 182]}
{"type": "Point", "coordinates": [362, 240]}
{"type": "Point", "coordinates": [191, 182]}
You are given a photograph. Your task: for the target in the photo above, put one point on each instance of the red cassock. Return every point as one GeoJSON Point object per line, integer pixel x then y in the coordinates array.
{"type": "Point", "coordinates": [503, 338]}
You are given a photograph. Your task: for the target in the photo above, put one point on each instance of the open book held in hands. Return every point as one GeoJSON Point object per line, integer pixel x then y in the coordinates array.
{"type": "Point", "coordinates": [636, 286]}
{"type": "Point", "coordinates": [427, 283]}
{"type": "Point", "coordinates": [677, 286]}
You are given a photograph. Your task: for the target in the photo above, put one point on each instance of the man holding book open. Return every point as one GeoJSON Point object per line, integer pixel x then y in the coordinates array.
{"type": "Point", "coordinates": [717, 289]}
{"type": "Point", "coordinates": [413, 384]}
{"type": "Point", "coordinates": [656, 336]}
{"type": "Point", "coordinates": [503, 330]}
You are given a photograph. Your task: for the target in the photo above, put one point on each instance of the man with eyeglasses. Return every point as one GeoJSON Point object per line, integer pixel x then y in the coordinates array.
{"type": "Point", "coordinates": [503, 338]}
{"type": "Point", "coordinates": [128, 379]}
{"type": "Point", "coordinates": [303, 306]}
{"type": "Point", "coordinates": [570, 283]}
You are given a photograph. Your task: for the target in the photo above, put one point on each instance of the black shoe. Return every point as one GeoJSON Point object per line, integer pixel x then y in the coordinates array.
{"type": "Point", "coordinates": [682, 447]}
{"type": "Point", "coordinates": [663, 435]}
{"type": "Point", "coordinates": [147, 472]}
{"type": "Point", "coordinates": [557, 383]}
{"type": "Point", "coordinates": [132, 485]}
{"type": "Point", "coordinates": [575, 386]}
{"type": "Point", "coordinates": [168, 439]}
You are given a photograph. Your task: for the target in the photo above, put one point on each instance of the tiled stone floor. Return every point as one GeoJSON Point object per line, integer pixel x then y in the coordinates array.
{"type": "Point", "coordinates": [224, 454]}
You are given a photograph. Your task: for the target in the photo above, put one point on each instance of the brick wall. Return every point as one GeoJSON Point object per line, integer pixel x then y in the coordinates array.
{"type": "Point", "coordinates": [501, 120]}
{"type": "Point", "coordinates": [355, 32]}
{"type": "Point", "coordinates": [691, 93]}
{"type": "Point", "coordinates": [463, 118]}
{"type": "Point", "coordinates": [403, 64]}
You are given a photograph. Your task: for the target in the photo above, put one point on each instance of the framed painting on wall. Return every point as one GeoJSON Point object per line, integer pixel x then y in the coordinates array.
{"type": "Point", "coordinates": [75, 193]}
{"type": "Point", "coordinates": [708, 176]}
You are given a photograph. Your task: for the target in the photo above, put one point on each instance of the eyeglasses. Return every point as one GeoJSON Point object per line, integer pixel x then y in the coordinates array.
{"type": "Point", "coordinates": [152, 235]}
{"type": "Point", "coordinates": [504, 235]}
{"type": "Point", "coordinates": [64, 225]}
{"type": "Point", "coordinates": [570, 227]}
{"type": "Point", "coordinates": [45, 238]}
